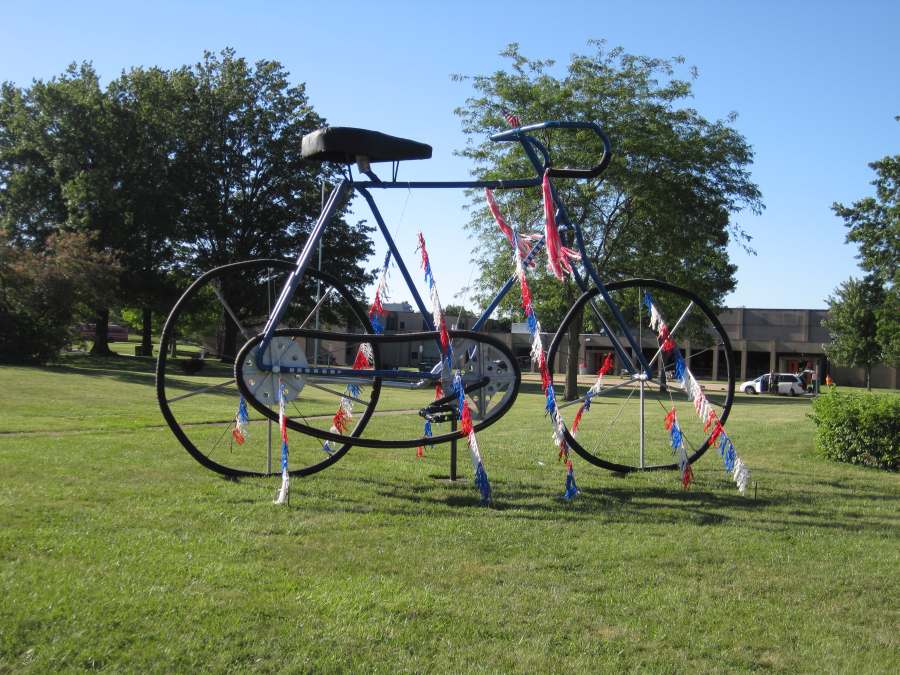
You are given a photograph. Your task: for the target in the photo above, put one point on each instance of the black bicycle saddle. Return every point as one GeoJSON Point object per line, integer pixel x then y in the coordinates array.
{"type": "Point", "coordinates": [346, 144]}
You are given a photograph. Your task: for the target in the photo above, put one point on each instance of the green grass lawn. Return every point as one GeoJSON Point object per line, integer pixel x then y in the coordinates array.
{"type": "Point", "coordinates": [118, 551]}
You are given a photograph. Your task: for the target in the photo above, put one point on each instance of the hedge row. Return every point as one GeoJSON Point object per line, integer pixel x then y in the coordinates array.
{"type": "Point", "coordinates": [859, 428]}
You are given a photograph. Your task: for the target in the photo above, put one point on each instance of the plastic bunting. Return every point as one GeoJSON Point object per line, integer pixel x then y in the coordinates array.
{"type": "Point", "coordinates": [365, 359]}
{"type": "Point", "coordinates": [436, 309]}
{"type": "Point", "coordinates": [539, 358]}
{"type": "Point", "coordinates": [679, 449]}
{"type": "Point", "coordinates": [705, 411]}
{"type": "Point", "coordinates": [438, 394]}
{"type": "Point", "coordinates": [557, 255]}
{"type": "Point", "coordinates": [241, 422]}
{"type": "Point", "coordinates": [465, 415]}
{"type": "Point", "coordinates": [606, 367]}
{"type": "Point", "coordinates": [283, 495]}
{"type": "Point", "coordinates": [524, 248]}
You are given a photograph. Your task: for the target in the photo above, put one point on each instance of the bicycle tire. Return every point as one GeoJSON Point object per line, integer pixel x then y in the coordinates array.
{"type": "Point", "coordinates": [605, 445]}
{"type": "Point", "coordinates": [200, 408]}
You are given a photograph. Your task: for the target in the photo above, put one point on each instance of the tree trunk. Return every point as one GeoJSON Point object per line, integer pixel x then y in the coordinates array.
{"type": "Point", "coordinates": [147, 332]}
{"type": "Point", "coordinates": [868, 378]}
{"type": "Point", "coordinates": [661, 371]}
{"type": "Point", "coordinates": [229, 341]}
{"type": "Point", "coordinates": [571, 392]}
{"type": "Point", "coordinates": [101, 334]}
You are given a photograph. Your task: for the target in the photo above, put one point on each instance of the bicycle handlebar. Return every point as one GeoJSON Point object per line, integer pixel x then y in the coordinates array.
{"type": "Point", "coordinates": [517, 134]}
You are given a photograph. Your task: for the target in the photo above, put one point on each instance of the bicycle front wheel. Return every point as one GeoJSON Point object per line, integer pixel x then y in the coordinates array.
{"type": "Point", "coordinates": [195, 381]}
{"type": "Point", "coordinates": [621, 419]}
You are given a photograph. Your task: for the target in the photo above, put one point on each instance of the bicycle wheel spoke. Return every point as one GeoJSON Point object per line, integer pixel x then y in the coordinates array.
{"type": "Point", "coordinates": [338, 394]}
{"type": "Point", "coordinates": [612, 422]}
{"type": "Point", "coordinates": [202, 390]}
{"type": "Point", "coordinates": [606, 390]}
{"type": "Point", "coordinates": [228, 428]}
{"type": "Point", "coordinates": [316, 308]}
{"type": "Point", "coordinates": [215, 288]}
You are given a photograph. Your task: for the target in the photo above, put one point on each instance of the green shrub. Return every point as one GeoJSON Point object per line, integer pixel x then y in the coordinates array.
{"type": "Point", "coordinates": [43, 292]}
{"type": "Point", "coordinates": [859, 428]}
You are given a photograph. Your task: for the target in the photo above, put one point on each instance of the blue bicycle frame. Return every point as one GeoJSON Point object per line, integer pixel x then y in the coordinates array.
{"type": "Point", "coordinates": [539, 157]}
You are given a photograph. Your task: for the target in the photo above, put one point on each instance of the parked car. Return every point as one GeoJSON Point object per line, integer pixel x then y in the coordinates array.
{"type": "Point", "coordinates": [787, 383]}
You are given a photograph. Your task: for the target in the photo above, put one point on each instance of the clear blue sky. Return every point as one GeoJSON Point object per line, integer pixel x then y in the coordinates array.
{"type": "Point", "coordinates": [816, 86]}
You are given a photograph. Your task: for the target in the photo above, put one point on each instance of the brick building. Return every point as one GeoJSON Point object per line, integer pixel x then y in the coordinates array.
{"type": "Point", "coordinates": [763, 340]}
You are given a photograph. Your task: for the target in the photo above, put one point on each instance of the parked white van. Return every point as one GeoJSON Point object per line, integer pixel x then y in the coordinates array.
{"type": "Point", "coordinates": [787, 383]}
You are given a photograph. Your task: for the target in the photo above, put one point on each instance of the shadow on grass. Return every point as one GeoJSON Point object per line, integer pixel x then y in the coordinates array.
{"type": "Point", "coordinates": [139, 370]}
{"type": "Point", "coordinates": [617, 502]}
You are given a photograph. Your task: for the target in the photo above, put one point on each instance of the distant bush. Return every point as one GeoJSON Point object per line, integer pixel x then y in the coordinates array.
{"type": "Point", "coordinates": [42, 293]}
{"type": "Point", "coordinates": [859, 428]}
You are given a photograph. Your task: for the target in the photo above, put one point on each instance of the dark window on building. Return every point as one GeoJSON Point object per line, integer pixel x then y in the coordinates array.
{"type": "Point", "coordinates": [392, 322]}
{"type": "Point", "coordinates": [402, 325]}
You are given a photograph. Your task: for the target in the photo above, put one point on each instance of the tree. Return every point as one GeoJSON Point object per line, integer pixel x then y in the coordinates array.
{"type": "Point", "coordinates": [246, 192]}
{"type": "Point", "coordinates": [663, 209]}
{"type": "Point", "coordinates": [147, 107]}
{"type": "Point", "coordinates": [42, 293]}
{"type": "Point", "coordinates": [58, 168]}
{"type": "Point", "coordinates": [852, 324]}
{"type": "Point", "coordinates": [888, 330]}
{"type": "Point", "coordinates": [179, 171]}
{"type": "Point", "coordinates": [874, 225]}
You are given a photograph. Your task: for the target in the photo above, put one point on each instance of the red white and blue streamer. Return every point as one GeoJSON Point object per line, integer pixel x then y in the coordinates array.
{"type": "Point", "coordinates": [364, 357]}
{"type": "Point", "coordinates": [740, 473]}
{"type": "Point", "coordinates": [704, 409]}
{"type": "Point", "coordinates": [438, 394]}
{"type": "Point", "coordinates": [437, 311]}
{"type": "Point", "coordinates": [605, 368]}
{"type": "Point", "coordinates": [284, 491]}
{"type": "Point", "coordinates": [524, 248]}
{"type": "Point", "coordinates": [679, 449]}
{"type": "Point", "coordinates": [558, 256]}
{"type": "Point", "coordinates": [241, 423]}
{"type": "Point", "coordinates": [538, 356]}
{"type": "Point", "coordinates": [465, 415]}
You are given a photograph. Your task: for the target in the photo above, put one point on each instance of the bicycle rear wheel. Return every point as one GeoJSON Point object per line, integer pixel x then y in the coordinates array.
{"type": "Point", "coordinates": [622, 429]}
{"type": "Point", "coordinates": [196, 388]}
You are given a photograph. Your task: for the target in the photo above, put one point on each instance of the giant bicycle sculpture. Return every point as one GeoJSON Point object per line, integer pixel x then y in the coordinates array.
{"type": "Point", "coordinates": [290, 343]}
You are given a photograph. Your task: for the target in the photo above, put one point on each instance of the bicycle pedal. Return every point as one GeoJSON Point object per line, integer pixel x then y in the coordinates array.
{"type": "Point", "coordinates": [440, 413]}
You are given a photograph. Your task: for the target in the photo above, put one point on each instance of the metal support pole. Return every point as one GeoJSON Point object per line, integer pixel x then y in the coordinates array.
{"type": "Point", "coordinates": [269, 458]}
{"type": "Point", "coordinates": [642, 422]}
{"type": "Point", "coordinates": [453, 451]}
{"type": "Point", "coordinates": [643, 374]}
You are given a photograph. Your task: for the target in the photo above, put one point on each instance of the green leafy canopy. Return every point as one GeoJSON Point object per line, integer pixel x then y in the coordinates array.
{"type": "Point", "coordinates": [665, 208]}
{"type": "Point", "coordinates": [873, 223]}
